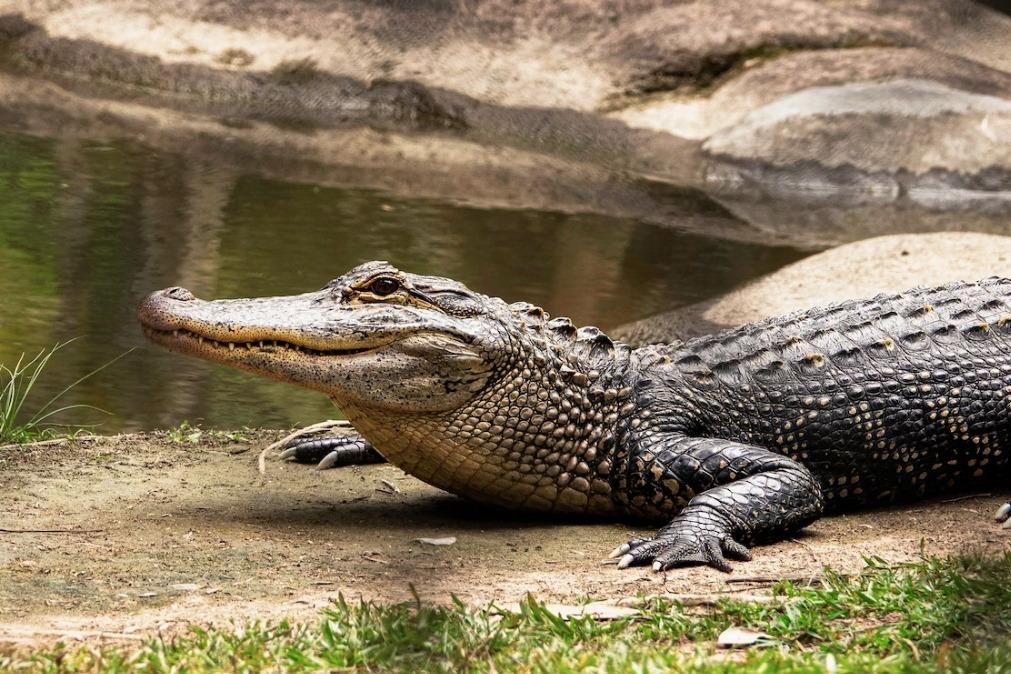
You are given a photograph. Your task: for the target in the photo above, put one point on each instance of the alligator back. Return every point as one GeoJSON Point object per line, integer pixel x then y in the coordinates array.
{"type": "Point", "coordinates": [883, 399]}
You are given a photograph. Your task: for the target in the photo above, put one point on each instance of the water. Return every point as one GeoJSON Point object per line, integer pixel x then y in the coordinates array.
{"type": "Point", "coordinates": [88, 228]}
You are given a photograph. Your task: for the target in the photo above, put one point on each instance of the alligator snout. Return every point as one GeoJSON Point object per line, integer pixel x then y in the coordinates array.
{"type": "Point", "coordinates": [160, 310]}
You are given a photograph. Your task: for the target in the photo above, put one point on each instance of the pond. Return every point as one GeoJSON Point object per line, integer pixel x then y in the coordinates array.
{"type": "Point", "coordinates": [89, 227]}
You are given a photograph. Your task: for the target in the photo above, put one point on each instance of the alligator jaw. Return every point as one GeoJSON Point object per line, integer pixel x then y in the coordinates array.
{"type": "Point", "coordinates": [406, 356]}
{"type": "Point", "coordinates": [227, 331]}
{"type": "Point", "coordinates": [198, 343]}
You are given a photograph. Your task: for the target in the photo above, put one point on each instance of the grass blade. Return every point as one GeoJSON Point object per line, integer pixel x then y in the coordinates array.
{"type": "Point", "coordinates": [18, 383]}
{"type": "Point", "coordinates": [41, 413]}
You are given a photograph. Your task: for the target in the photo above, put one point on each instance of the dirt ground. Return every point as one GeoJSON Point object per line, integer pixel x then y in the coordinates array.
{"type": "Point", "coordinates": [123, 536]}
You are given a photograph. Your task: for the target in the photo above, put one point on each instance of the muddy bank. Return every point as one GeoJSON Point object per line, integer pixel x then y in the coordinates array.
{"type": "Point", "coordinates": [142, 533]}
{"type": "Point", "coordinates": [442, 168]}
{"type": "Point", "coordinates": [450, 169]}
{"type": "Point", "coordinates": [299, 95]}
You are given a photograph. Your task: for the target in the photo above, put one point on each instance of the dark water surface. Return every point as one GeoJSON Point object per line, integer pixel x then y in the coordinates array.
{"type": "Point", "coordinates": [88, 228]}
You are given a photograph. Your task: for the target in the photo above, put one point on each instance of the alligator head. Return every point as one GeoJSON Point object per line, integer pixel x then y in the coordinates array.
{"type": "Point", "coordinates": [375, 337]}
{"type": "Point", "coordinates": [476, 396]}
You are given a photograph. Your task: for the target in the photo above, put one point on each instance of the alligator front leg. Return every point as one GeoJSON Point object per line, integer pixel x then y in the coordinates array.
{"type": "Point", "coordinates": [737, 494]}
{"type": "Point", "coordinates": [332, 451]}
{"type": "Point", "coordinates": [1003, 514]}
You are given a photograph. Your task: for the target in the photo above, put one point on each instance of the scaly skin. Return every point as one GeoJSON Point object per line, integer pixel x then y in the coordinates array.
{"type": "Point", "coordinates": [739, 437]}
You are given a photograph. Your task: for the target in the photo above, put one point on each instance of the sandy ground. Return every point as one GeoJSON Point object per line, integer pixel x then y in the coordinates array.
{"type": "Point", "coordinates": [142, 534]}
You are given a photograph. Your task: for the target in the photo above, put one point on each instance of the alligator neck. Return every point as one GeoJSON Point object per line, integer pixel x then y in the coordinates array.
{"type": "Point", "coordinates": [540, 437]}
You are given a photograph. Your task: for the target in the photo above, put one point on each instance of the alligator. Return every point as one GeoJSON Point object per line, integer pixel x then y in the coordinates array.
{"type": "Point", "coordinates": [736, 438]}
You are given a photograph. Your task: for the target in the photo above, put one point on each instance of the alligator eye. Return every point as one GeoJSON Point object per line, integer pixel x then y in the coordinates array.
{"type": "Point", "coordinates": [383, 286]}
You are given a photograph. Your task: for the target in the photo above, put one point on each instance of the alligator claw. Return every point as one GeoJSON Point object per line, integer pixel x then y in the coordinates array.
{"type": "Point", "coordinates": [1003, 513]}
{"type": "Point", "coordinates": [625, 547]}
{"type": "Point", "coordinates": [329, 461]}
{"type": "Point", "coordinates": [711, 551]}
{"type": "Point", "coordinates": [683, 543]}
{"type": "Point", "coordinates": [619, 551]}
{"type": "Point", "coordinates": [332, 451]}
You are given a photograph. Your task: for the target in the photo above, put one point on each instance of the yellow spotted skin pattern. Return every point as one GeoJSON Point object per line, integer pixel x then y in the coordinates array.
{"type": "Point", "coordinates": [735, 438]}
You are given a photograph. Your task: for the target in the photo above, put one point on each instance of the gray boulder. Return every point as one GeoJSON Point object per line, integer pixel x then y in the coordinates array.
{"type": "Point", "coordinates": [921, 139]}
{"type": "Point", "coordinates": [886, 264]}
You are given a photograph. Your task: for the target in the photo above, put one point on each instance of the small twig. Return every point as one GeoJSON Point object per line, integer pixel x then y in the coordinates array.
{"type": "Point", "coordinates": [691, 601]}
{"type": "Point", "coordinates": [308, 430]}
{"type": "Point", "coordinates": [261, 461]}
{"type": "Point", "coordinates": [390, 487]}
{"type": "Point", "coordinates": [807, 548]}
{"type": "Point", "coordinates": [67, 634]}
{"type": "Point", "coordinates": [51, 531]}
{"type": "Point", "coordinates": [33, 445]}
{"type": "Point", "coordinates": [770, 579]}
{"type": "Point", "coordinates": [966, 497]}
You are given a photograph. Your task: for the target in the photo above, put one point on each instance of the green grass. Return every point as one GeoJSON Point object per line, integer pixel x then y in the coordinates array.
{"type": "Point", "coordinates": [192, 433]}
{"type": "Point", "coordinates": [940, 615]}
{"type": "Point", "coordinates": [17, 382]}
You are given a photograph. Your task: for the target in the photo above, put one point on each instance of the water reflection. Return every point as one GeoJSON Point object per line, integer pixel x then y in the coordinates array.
{"type": "Point", "coordinates": [87, 228]}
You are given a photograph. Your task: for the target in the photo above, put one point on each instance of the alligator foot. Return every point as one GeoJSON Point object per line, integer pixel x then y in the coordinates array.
{"type": "Point", "coordinates": [332, 451]}
{"type": "Point", "coordinates": [1003, 514]}
{"type": "Point", "coordinates": [685, 541]}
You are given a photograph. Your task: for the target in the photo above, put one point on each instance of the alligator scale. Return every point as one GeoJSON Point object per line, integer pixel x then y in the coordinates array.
{"type": "Point", "coordinates": [735, 438]}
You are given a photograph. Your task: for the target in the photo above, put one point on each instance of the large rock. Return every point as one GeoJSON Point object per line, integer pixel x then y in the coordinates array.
{"type": "Point", "coordinates": [896, 102]}
{"type": "Point", "coordinates": [886, 264]}
{"type": "Point", "coordinates": [915, 137]}
{"type": "Point", "coordinates": [766, 80]}
{"type": "Point", "coordinates": [881, 126]}
{"type": "Point", "coordinates": [576, 54]}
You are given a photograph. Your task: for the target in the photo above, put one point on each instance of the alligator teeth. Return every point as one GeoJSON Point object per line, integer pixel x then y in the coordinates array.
{"type": "Point", "coordinates": [200, 339]}
{"type": "Point", "coordinates": [261, 344]}
{"type": "Point", "coordinates": [231, 346]}
{"type": "Point", "coordinates": [175, 333]}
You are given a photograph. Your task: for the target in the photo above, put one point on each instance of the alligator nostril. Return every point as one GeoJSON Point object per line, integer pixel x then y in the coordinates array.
{"type": "Point", "coordinates": [177, 293]}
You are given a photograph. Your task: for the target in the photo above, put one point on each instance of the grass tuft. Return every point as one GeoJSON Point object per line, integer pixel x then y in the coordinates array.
{"type": "Point", "coordinates": [17, 382]}
{"type": "Point", "coordinates": [192, 434]}
{"type": "Point", "coordinates": [940, 615]}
